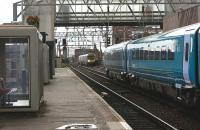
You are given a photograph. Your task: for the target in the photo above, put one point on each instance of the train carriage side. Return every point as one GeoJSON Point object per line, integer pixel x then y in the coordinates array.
{"type": "Point", "coordinates": [85, 58]}
{"type": "Point", "coordinates": [115, 60]}
{"type": "Point", "coordinates": [158, 60]}
{"type": "Point", "coordinates": [171, 59]}
{"type": "Point", "coordinates": [80, 59]}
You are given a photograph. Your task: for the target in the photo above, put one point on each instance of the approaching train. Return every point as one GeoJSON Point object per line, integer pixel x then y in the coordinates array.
{"type": "Point", "coordinates": [87, 59]}
{"type": "Point", "coordinates": [167, 62]}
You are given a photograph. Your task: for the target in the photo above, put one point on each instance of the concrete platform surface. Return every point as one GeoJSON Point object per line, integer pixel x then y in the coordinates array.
{"type": "Point", "coordinates": [68, 100]}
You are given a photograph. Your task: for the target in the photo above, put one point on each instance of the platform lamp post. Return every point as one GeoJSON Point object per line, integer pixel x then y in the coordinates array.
{"type": "Point", "coordinates": [106, 36]}
{"type": "Point", "coordinates": [64, 42]}
{"type": "Point", "coordinates": [22, 10]}
{"type": "Point", "coordinates": [124, 33]}
{"type": "Point", "coordinates": [44, 35]}
{"type": "Point", "coordinates": [108, 41]}
{"type": "Point", "coordinates": [143, 11]}
{"type": "Point", "coordinates": [107, 29]}
{"type": "Point", "coordinates": [64, 55]}
{"type": "Point", "coordinates": [59, 51]}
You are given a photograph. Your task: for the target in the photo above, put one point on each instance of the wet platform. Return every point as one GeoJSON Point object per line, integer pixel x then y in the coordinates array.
{"type": "Point", "coordinates": [68, 100]}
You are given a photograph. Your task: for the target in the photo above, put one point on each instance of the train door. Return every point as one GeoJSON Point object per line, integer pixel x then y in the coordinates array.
{"type": "Point", "coordinates": [197, 56]}
{"type": "Point", "coordinates": [186, 55]}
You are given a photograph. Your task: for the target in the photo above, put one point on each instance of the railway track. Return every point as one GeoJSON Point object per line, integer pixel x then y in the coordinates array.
{"type": "Point", "coordinates": [125, 84]}
{"type": "Point", "coordinates": [95, 70]}
{"type": "Point", "coordinates": [177, 115]}
{"type": "Point", "coordinates": [137, 117]}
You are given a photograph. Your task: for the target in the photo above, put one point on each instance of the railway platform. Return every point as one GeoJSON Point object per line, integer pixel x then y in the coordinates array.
{"type": "Point", "coordinates": [69, 103]}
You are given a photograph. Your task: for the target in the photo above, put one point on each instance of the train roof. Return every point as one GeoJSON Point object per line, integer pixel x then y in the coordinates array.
{"type": "Point", "coordinates": [116, 46]}
{"type": "Point", "coordinates": [191, 29]}
{"type": "Point", "coordinates": [87, 54]}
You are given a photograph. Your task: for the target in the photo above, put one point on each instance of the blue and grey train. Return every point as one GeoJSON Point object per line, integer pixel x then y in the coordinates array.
{"type": "Point", "coordinates": [167, 62]}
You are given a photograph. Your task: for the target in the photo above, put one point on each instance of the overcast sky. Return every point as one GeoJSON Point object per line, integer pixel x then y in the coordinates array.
{"type": "Point", "coordinates": [6, 10]}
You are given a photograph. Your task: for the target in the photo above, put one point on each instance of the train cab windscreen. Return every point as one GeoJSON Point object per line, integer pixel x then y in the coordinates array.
{"type": "Point", "coordinates": [91, 56]}
{"type": "Point", "coordinates": [14, 72]}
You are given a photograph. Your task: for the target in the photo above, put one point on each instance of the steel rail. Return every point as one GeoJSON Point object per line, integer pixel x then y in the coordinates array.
{"type": "Point", "coordinates": [95, 71]}
{"type": "Point", "coordinates": [150, 115]}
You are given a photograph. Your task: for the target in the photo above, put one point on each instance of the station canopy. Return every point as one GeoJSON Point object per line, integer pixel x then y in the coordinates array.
{"type": "Point", "coordinates": [115, 12]}
{"type": "Point", "coordinates": [109, 12]}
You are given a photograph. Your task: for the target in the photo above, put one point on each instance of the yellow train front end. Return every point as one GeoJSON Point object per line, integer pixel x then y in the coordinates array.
{"type": "Point", "coordinates": [91, 60]}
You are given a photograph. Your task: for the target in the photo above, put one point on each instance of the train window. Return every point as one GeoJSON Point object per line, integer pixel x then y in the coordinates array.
{"type": "Point", "coordinates": [186, 51]}
{"type": "Point", "coordinates": [141, 55]}
{"type": "Point", "coordinates": [110, 56]}
{"type": "Point", "coordinates": [146, 54]}
{"type": "Point", "coordinates": [114, 56]}
{"type": "Point", "coordinates": [118, 56]}
{"type": "Point", "coordinates": [170, 55]}
{"type": "Point", "coordinates": [151, 55]}
{"type": "Point", "coordinates": [163, 54]}
{"type": "Point", "coordinates": [171, 49]}
{"type": "Point", "coordinates": [137, 54]}
{"type": "Point", "coordinates": [133, 54]}
{"type": "Point", "coordinates": [91, 56]}
{"type": "Point", "coordinates": [107, 56]}
{"type": "Point", "coordinates": [157, 55]}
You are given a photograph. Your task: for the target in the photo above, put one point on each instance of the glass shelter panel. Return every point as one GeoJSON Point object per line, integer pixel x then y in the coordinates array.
{"type": "Point", "coordinates": [14, 72]}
